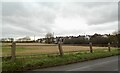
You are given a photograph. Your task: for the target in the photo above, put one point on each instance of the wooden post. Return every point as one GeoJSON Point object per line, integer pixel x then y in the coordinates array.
{"type": "Point", "coordinates": [109, 47]}
{"type": "Point", "coordinates": [13, 49]}
{"type": "Point", "coordinates": [60, 49]}
{"type": "Point", "coordinates": [91, 50]}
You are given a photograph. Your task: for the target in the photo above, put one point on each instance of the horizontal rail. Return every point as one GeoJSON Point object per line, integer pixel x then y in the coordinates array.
{"type": "Point", "coordinates": [37, 44]}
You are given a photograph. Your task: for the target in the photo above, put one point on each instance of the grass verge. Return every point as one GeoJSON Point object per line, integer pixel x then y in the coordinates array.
{"type": "Point", "coordinates": [25, 63]}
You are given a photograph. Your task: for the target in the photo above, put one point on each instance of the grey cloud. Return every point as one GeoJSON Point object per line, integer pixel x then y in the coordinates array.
{"type": "Point", "coordinates": [93, 13]}
{"type": "Point", "coordinates": [119, 17]}
{"type": "Point", "coordinates": [103, 14]}
{"type": "Point", "coordinates": [10, 8]}
{"type": "Point", "coordinates": [38, 20]}
{"type": "Point", "coordinates": [13, 30]}
{"type": "Point", "coordinates": [102, 27]}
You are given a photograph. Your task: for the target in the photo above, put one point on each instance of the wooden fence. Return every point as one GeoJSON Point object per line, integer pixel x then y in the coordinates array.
{"type": "Point", "coordinates": [61, 52]}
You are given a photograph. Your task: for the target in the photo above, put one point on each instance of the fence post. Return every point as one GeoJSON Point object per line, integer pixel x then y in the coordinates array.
{"type": "Point", "coordinates": [60, 49]}
{"type": "Point", "coordinates": [13, 49]}
{"type": "Point", "coordinates": [109, 47]}
{"type": "Point", "coordinates": [91, 50]}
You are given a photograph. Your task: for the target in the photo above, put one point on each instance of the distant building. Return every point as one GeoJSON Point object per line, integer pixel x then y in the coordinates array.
{"type": "Point", "coordinates": [27, 38]}
{"type": "Point", "coordinates": [87, 37]}
{"type": "Point", "coordinates": [105, 36]}
{"type": "Point", "coordinates": [6, 40]}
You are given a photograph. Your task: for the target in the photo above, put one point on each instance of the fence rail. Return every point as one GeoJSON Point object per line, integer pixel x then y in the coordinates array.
{"type": "Point", "coordinates": [59, 47]}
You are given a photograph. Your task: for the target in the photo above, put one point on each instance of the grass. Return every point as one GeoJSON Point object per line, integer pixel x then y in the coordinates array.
{"type": "Point", "coordinates": [24, 63]}
{"type": "Point", "coordinates": [28, 50]}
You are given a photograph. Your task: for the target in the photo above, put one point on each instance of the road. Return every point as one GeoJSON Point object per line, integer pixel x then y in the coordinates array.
{"type": "Point", "coordinates": [104, 64]}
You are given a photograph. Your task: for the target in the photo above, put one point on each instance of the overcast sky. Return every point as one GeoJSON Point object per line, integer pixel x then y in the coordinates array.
{"type": "Point", "coordinates": [62, 18]}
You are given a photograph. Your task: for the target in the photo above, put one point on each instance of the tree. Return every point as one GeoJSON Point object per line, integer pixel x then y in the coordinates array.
{"type": "Point", "coordinates": [49, 38]}
{"type": "Point", "coordinates": [99, 39]}
{"type": "Point", "coordinates": [118, 38]}
{"type": "Point", "coordinates": [11, 39]}
{"type": "Point", "coordinates": [115, 32]}
{"type": "Point", "coordinates": [80, 40]}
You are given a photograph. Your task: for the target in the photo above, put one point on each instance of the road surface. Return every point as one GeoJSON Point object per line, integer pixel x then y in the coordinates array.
{"type": "Point", "coordinates": [104, 64]}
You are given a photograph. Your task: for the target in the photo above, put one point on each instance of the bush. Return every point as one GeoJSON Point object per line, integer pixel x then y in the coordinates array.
{"type": "Point", "coordinates": [80, 40]}
{"type": "Point", "coordinates": [99, 40]}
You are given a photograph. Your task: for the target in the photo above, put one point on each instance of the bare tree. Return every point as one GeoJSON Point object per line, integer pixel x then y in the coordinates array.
{"type": "Point", "coordinates": [49, 38]}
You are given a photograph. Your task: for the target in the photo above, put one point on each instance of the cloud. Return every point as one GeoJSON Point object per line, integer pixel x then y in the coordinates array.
{"type": "Point", "coordinates": [38, 18]}
{"type": "Point", "coordinates": [119, 17]}
{"type": "Point", "coordinates": [101, 27]}
{"type": "Point", "coordinates": [94, 13]}
{"type": "Point", "coordinates": [32, 17]}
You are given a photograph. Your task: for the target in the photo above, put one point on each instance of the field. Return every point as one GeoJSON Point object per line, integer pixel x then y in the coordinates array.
{"type": "Point", "coordinates": [35, 55]}
{"type": "Point", "coordinates": [38, 48]}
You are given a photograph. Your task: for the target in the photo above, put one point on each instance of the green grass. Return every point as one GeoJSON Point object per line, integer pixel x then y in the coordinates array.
{"type": "Point", "coordinates": [40, 61]}
{"type": "Point", "coordinates": [7, 50]}
{"type": "Point", "coordinates": [4, 49]}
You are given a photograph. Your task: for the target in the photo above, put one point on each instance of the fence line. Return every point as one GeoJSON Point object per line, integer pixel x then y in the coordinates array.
{"type": "Point", "coordinates": [109, 47]}
{"type": "Point", "coordinates": [13, 51]}
{"type": "Point", "coordinates": [61, 52]}
{"type": "Point", "coordinates": [60, 49]}
{"type": "Point", "coordinates": [91, 50]}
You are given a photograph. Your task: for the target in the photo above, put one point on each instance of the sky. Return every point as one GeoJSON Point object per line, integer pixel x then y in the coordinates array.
{"type": "Point", "coordinates": [21, 19]}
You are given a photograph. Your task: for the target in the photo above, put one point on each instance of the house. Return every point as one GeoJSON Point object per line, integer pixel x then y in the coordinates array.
{"type": "Point", "coordinates": [87, 37]}
{"type": "Point", "coordinates": [27, 38]}
{"type": "Point", "coordinates": [105, 36]}
{"type": "Point", "coordinates": [7, 39]}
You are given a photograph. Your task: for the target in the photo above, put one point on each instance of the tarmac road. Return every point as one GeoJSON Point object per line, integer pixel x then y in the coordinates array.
{"type": "Point", "coordinates": [104, 64]}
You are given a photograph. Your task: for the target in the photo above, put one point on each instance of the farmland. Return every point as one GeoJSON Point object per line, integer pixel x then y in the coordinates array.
{"type": "Point", "coordinates": [35, 55]}
{"type": "Point", "coordinates": [38, 48]}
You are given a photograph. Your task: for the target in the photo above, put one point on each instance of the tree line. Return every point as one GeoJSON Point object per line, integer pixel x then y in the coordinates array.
{"type": "Point", "coordinates": [96, 39]}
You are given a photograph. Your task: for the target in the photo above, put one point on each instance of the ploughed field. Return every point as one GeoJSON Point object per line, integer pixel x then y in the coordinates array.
{"type": "Point", "coordinates": [38, 48]}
